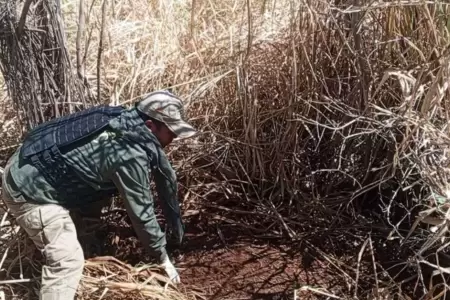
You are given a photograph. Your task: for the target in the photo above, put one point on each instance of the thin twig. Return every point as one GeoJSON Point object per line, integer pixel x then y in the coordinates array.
{"type": "Point", "coordinates": [80, 32]}
{"type": "Point", "coordinates": [363, 247]}
{"type": "Point", "coordinates": [13, 281]}
{"type": "Point", "coordinates": [5, 254]}
{"type": "Point", "coordinates": [377, 285]}
{"type": "Point", "coordinates": [23, 18]}
{"type": "Point", "coordinates": [100, 49]}
{"type": "Point", "coordinates": [7, 148]}
{"type": "Point", "coordinates": [319, 291]}
{"type": "Point", "coordinates": [7, 212]}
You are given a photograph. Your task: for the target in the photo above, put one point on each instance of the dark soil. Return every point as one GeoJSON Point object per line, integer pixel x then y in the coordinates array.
{"type": "Point", "coordinates": [224, 262]}
{"type": "Point", "coordinates": [246, 271]}
{"type": "Point", "coordinates": [227, 266]}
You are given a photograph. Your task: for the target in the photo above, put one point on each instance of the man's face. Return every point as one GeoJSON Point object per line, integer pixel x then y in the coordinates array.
{"type": "Point", "coordinates": [162, 133]}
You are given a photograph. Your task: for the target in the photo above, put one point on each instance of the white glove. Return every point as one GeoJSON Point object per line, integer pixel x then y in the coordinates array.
{"type": "Point", "coordinates": [170, 270]}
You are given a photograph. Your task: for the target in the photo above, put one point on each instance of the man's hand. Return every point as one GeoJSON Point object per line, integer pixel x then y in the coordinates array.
{"type": "Point", "coordinates": [170, 270]}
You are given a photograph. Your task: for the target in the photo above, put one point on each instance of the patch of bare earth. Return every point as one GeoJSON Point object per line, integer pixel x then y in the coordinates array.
{"type": "Point", "coordinates": [251, 271]}
{"type": "Point", "coordinates": [225, 263]}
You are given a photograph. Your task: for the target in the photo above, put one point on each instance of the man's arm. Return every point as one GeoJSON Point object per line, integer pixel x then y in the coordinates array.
{"type": "Point", "coordinates": [167, 189]}
{"type": "Point", "coordinates": [132, 181]}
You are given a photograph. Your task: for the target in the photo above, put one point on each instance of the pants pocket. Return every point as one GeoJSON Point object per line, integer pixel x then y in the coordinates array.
{"type": "Point", "coordinates": [32, 224]}
{"type": "Point", "coordinates": [61, 242]}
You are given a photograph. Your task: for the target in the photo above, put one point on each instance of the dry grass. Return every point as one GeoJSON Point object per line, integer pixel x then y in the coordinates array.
{"type": "Point", "coordinates": [104, 277]}
{"type": "Point", "coordinates": [109, 278]}
{"type": "Point", "coordinates": [317, 119]}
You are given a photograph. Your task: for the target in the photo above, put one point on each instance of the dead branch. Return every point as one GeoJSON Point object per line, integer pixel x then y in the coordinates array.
{"type": "Point", "coordinates": [23, 17]}
{"type": "Point", "coordinates": [100, 49]}
{"type": "Point", "coordinates": [80, 33]}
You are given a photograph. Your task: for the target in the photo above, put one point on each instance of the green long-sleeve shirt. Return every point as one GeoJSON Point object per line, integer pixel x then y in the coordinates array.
{"type": "Point", "coordinates": [110, 162]}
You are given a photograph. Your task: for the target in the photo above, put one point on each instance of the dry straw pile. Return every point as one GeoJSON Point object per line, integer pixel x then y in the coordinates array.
{"type": "Point", "coordinates": [319, 119]}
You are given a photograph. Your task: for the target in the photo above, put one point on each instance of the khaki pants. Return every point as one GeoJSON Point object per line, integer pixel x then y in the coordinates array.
{"type": "Point", "coordinates": [53, 232]}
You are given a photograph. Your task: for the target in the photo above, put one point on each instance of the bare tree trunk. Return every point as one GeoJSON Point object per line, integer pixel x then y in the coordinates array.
{"type": "Point", "coordinates": [35, 62]}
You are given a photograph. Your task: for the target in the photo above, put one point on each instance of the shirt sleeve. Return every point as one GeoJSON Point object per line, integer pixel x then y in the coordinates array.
{"type": "Point", "coordinates": [132, 180]}
{"type": "Point", "coordinates": [167, 189]}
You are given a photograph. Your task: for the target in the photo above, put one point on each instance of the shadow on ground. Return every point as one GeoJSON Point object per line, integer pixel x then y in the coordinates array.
{"type": "Point", "coordinates": [225, 262]}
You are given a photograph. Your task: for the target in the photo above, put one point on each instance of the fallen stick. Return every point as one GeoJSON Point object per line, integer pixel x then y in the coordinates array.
{"type": "Point", "coordinates": [3, 258]}
{"type": "Point", "coordinates": [15, 281]}
{"type": "Point", "coordinates": [4, 218]}
{"type": "Point", "coordinates": [319, 291]}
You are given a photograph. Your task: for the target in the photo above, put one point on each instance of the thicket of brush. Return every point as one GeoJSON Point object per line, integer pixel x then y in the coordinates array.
{"type": "Point", "coordinates": [320, 120]}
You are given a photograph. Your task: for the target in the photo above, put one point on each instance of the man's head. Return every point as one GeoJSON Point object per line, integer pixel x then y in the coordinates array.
{"type": "Point", "coordinates": [164, 117]}
{"type": "Point", "coordinates": [164, 135]}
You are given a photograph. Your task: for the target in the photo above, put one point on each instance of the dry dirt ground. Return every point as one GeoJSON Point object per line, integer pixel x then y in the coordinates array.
{"type": "Point", "coordinates": [223, 265]}
{"type": "Point", "coordinates": [250, 271]}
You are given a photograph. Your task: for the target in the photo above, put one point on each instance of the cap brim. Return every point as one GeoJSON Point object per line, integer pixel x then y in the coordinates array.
{"type": "Point", "coordinates": [181, 128]}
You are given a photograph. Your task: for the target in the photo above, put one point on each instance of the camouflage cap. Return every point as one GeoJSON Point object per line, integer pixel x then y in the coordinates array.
{"type": "Point", "coordinates": [167, 108]}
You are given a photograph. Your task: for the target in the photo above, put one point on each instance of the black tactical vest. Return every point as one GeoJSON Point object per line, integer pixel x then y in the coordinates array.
{"type": "Point", "coordinates": [45, 146]}
{"type": "Point", "coordinates": [45, 143]}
